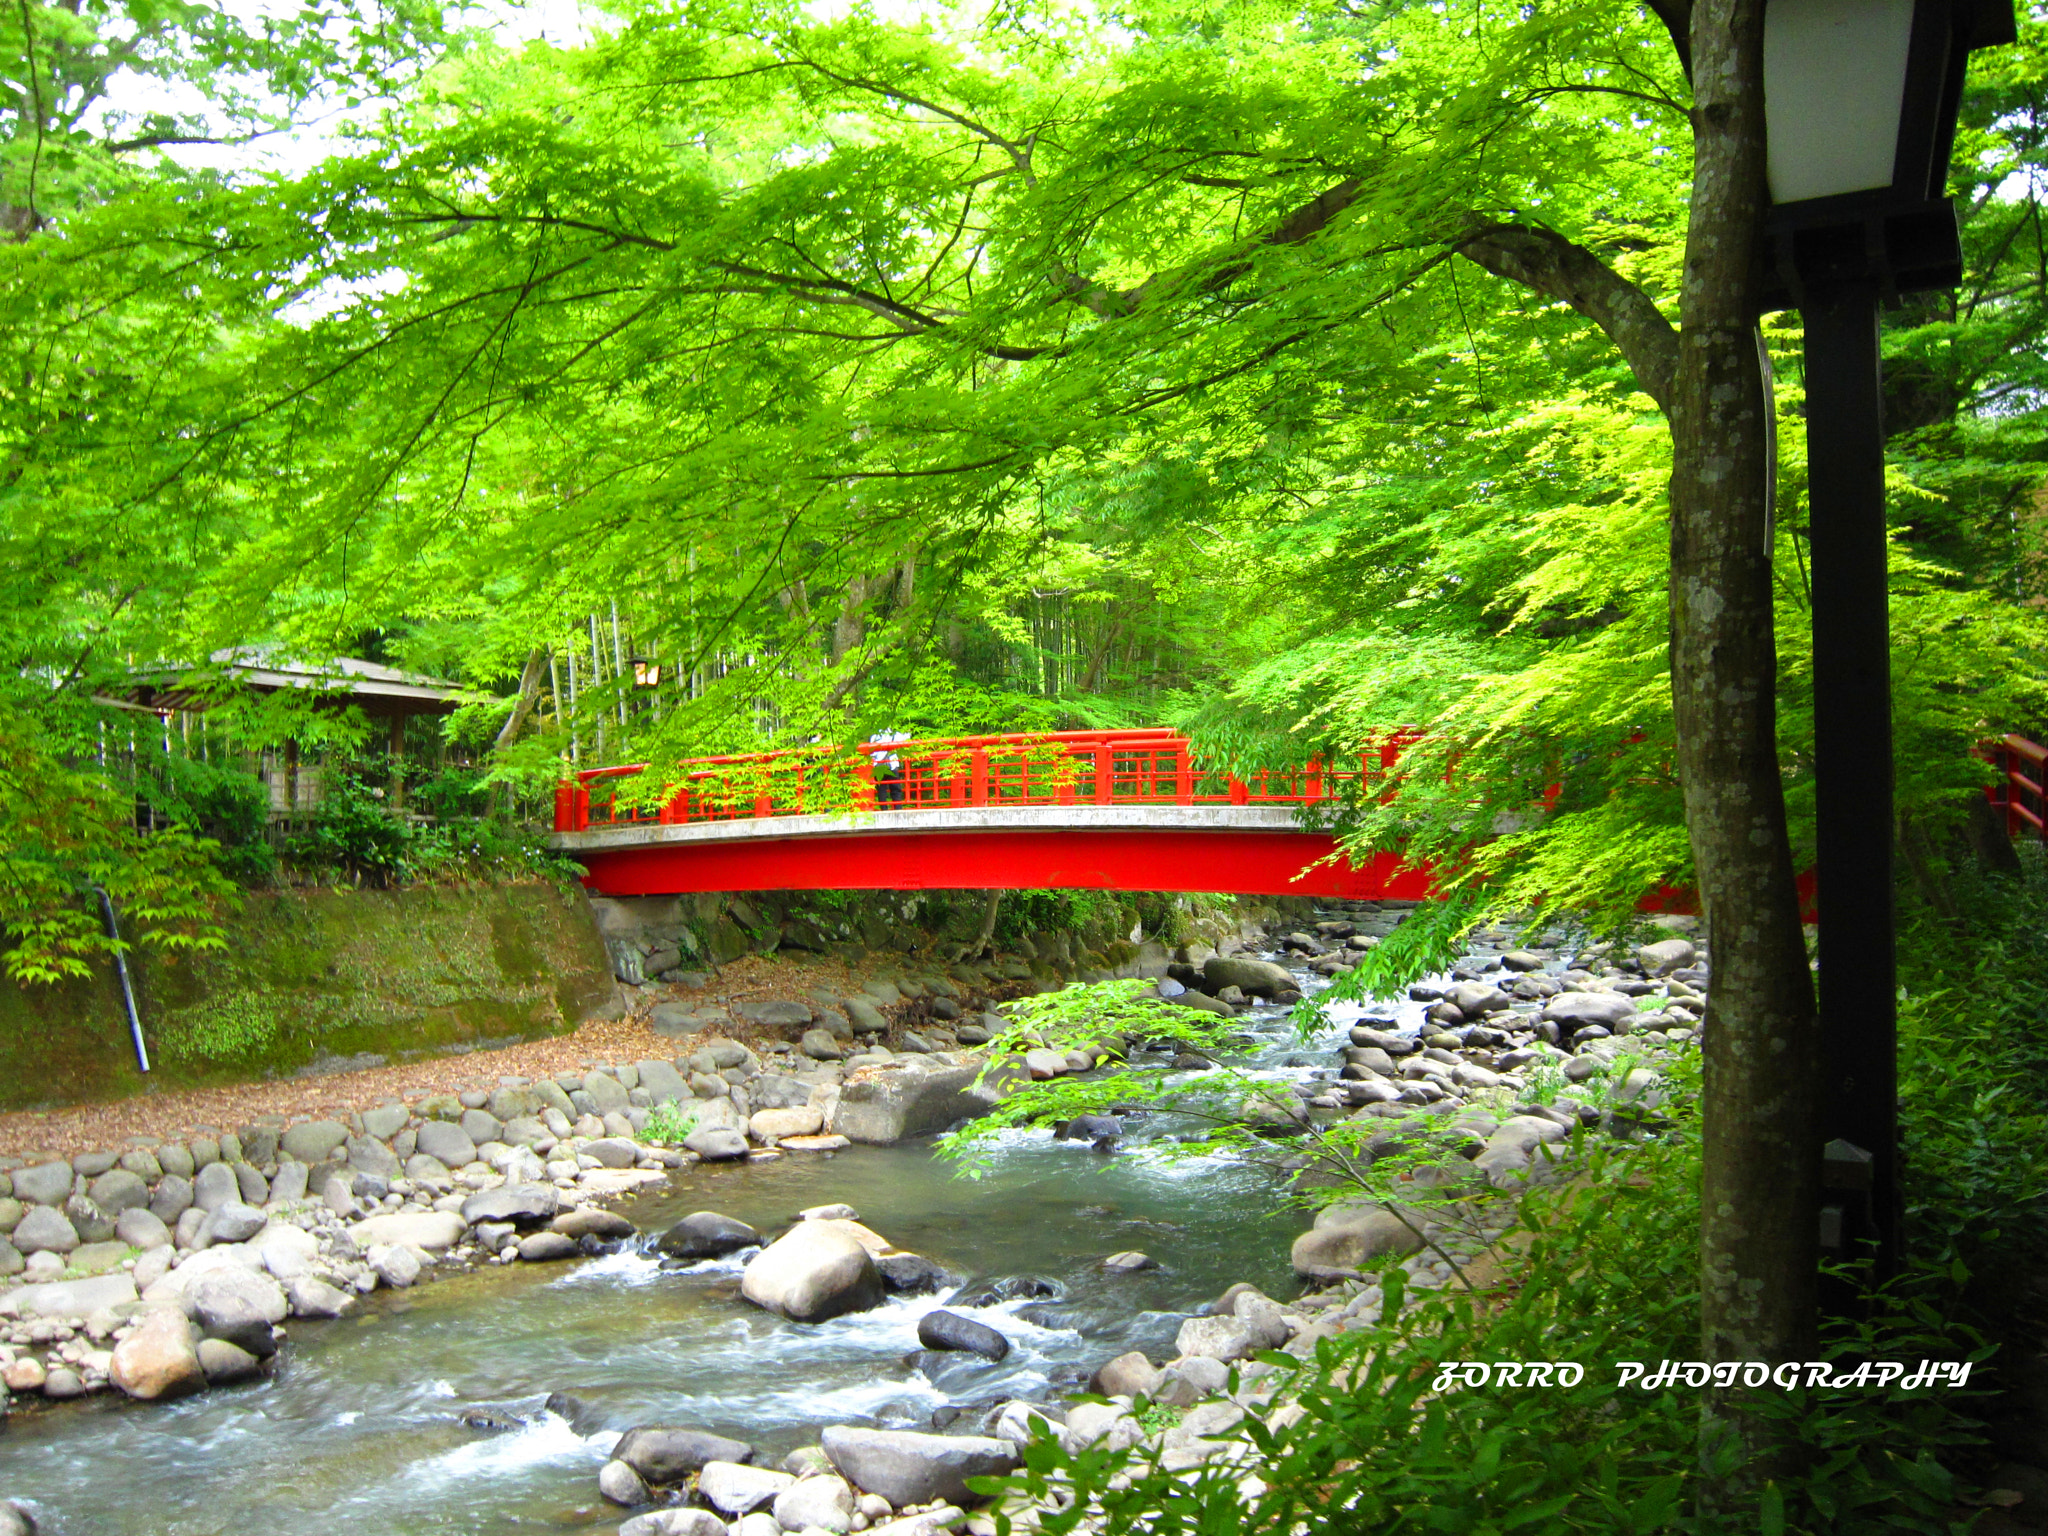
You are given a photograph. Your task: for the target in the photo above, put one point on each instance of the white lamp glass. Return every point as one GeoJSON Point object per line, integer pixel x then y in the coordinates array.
{"type": "Point", "coordinates": [1834, 83]}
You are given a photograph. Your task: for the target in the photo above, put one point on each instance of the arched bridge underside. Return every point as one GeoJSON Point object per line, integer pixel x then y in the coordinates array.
{"type": "Point", "coordinates": [1246, 849]}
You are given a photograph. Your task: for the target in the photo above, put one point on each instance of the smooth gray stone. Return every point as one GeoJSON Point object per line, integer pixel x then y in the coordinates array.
{"type": "Point", "coordinates": [215, 1186]}
{"type": "Point", "coordinates": [255, 1189]}
{"type": "Point", "coordinates": [949, 1330]}
{"type": "Point", "coordinates": [482, 1126]}
{"type": "Point", "coordinates": [46, 1229]}
{"type": "Point", "coordinates": [234, 1222]}
{"type": "Point", "coordinates": [706, 1235]}
{"type": "Point", "coordinates": [451, 1144]}
{"type": "Point", "coordinates": [907, 1468]}
{"type": "Point", "coordinates": [311, 1142]}
{"type": "Point", "coordinates": [44, 1184]}
{"type": "Point", "coordinates": [606, 1093]}
{"type": "Point", "coordinates": [370, 1155]}
{"type": "Point", "coordinates": [118, 1190]}
{"type": "Point", "coordinates": [290, 1183]}
{"type": "Point", "coordinates": [666, 1453]}
{"type": "Point", "coordinates": [512, 1202]}
{"type": "Point", "coordinates": [385, 1121]}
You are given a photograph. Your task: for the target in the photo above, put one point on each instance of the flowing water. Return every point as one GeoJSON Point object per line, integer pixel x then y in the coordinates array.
{"type": "Point", "coordinates": [359, 1430]}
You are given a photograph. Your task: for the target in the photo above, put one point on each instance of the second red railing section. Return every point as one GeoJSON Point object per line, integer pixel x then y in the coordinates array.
{"type": "Point", "coordinates": [1147, 767]}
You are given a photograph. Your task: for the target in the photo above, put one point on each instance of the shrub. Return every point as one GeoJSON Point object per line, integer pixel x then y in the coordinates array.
{"type": "Point", "coordinates": [669, 1125]}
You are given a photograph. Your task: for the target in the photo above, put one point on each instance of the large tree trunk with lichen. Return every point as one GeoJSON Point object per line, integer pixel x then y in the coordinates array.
{"type": "Point", "coordinates": [1761, 1167]}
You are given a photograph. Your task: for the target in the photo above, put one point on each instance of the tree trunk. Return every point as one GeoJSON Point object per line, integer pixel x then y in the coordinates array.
{"type": "Point", "coordinates": [1759, 1240]}
{"type": "Point", "coordinates": [529, 695]}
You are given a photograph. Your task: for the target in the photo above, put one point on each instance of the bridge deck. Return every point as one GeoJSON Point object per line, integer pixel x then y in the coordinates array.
{"type": "Point", "coordinates": [1246, 849]}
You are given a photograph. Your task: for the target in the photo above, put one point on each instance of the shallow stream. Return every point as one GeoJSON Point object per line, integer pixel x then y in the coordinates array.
{"type": "Point", "coordinates": [359, 1428]}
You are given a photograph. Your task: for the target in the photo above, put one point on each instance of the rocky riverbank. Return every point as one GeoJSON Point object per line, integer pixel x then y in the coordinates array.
{"type": "Point", "coordinates": [187, 1259]}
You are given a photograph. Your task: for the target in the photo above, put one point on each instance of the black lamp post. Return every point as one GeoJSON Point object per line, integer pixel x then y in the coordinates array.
{"type": "Point", "coordinates": [1860, 100]}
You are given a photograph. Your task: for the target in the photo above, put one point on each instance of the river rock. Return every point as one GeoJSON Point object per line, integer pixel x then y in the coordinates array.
{"type": "Point", "coordinates": [369, 1155]}
{"type": "Point", "coordinates": [592, 1221]}
{"type": "Point", "coordinates": [1128, 1375]}
{"type": "Point", "coordinates": [664, 1084]}
{"type": "Point", "coordinates": [215, 1186]}
{"type": "Point", "coordinates": [310, 1297]}
{"type": "Point", "coordinates": [44, 1229]}
{"type": "Point", "coordinates": [819, 1045]}
{"type": "Point", "coordinates": [816, 1503]}
{"type": "Point", "coordinates": [949, 1330]}
{"type": "Point", "coordinates": [674, 1522]}
{"type": "Point", "coordinates": [431, 1231]}
{"type": "Point", "coordinates": [664, 1454]}
{"type": "Point", "coordinates": [737, 1489]}
{"type": "Point", "coordinates": [607, 1093]}
{"type": "Point", "coordinates": [775, 1013]}
{"type": "Point", "coordinates": [614, 1151]}
{"type": "Point", "coordinates": [716, 1146]}
{"type": "Point", "coordinates": [118, 1190]}
{"type": "Point", "coordinates": [521, 1203]}
{"type": "Point", "coordinates": [706, 1235]}
{"type": "Point", "coordinates": [622, 1485]}
{"type": "Point", "coordinates": [1020, 1423]}
{"type": "Point", "coordinates": [92, 1224]}
{"type": "Point", "coordinates": [224, 1362]}
{"type": "Point", "coordinates": [1186, 1381]}
{"type": "Point", "coordinates": [886, 1107]}
{"type": "Point", "coordinates": [547, 1247]}
{"type": "Point", "coordinates": [139, 1227]}
{"type": "Point", "coordinates": [160, 1359]}
{"type": "Point", "coordinates": [383, 1122]}
{"type": "Point", "coordinates": [910, 1274]}
{"type": "Point", "coordinates": [1109, 1425]}
{"type": "Point", "coordinates": [1216, 1338]}
{"type": "Point", "coordinates": [1573, 1011]}
{"type": "Point", "coordinates": [289, 1183]}
{"type": "Point", "coordinates": [310, 1141]}
{"type": "Point", "coordinates": [233, 1222]}
{"type": "Point", "coordinates": [1129, 1262]}
{"type": "Point", "coordinates": [447, 1143]}
{"type": "Point", "coordinates": [1476, 998]}
{"type": "Point", "coordinates": [816, 1271]}
{"type": "Point", "coordinates": [1346, 1237]}
{"type": "Point", "coordinates": [909, 1468]}
{"type": "Point", "coordinates": [231, 1301]}
{"type": "Point", "coordinates": [481, 1126]}
{"type": "Point", "coordinates": [1666, 956]}
{"type": "Point", "coordinates": [774, 1124]}
{"type": "Point", "coordinates": [397, 1265]}
{"type": "Point", "coordinates": [44, 1184]}
{"type": "Point", "coordinates": [171, 1199]}
{"type": "Point", "coordinates": [1255, 978]}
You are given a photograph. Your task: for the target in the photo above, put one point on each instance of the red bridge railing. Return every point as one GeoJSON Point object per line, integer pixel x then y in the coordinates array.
{"type": "Point", "coordinates": [2019, 794]}
{"type": "Point", "coordinates": [1147, 767]}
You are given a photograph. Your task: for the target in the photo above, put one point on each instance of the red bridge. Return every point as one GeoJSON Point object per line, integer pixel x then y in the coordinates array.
{"type": "Point", "coordinates": [1111, 810]}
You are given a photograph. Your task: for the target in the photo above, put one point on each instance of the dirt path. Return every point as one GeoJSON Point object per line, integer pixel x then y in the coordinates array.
{"type": "Point", "coordinates": [28, 1136]}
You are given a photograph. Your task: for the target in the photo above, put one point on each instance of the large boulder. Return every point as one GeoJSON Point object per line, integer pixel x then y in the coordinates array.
{"type": "Point", "coordinates": [1347, 1237]}
{"type": "Point", "coordinates": [1474, 998]}
{"type": "Point", "coordinates": [909, 1468]}
{"type": "Point", "coordinates": [160, 1359]}
{"type": "Point", "coordinates": [520, 1203]}
{"type": "Point", "coordinates": [886, 1106]}
{"type": "Point", "coordinates": [1254, 978]}
{"type": "Point", "coordinates": [774, 1124]}
{"type": "Point", "coordinates": [118, 1190]}
{"type": "Point", "coordinates": [664, 1454]}
{"type": "Point", "coordinates": [706, 1235]}
{"type": "Point", "coordinates": [234, 1222]}
{"type": "Point", "coordinates": [814, 1272]}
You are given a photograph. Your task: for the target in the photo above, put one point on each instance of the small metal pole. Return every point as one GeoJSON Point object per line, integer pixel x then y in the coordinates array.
{"type": "Point", "coordinates": [121, 971]}
{"type": "Point", "coordinates": [1853, 765]}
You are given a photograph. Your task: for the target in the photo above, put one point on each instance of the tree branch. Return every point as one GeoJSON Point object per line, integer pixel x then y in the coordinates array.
{"type": "Point", "coordinates": [1543, 260]}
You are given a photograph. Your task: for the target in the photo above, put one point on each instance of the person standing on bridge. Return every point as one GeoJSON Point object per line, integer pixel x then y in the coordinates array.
{"type": "Point", "coordinates": [888, 767]}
